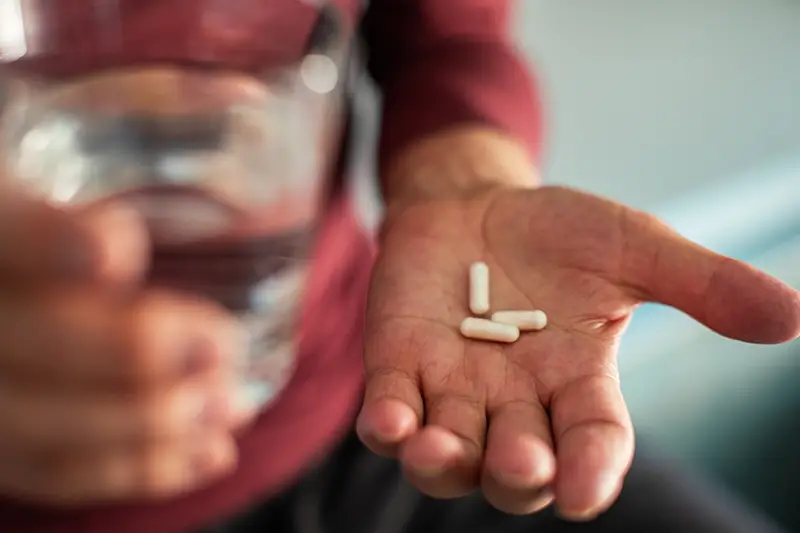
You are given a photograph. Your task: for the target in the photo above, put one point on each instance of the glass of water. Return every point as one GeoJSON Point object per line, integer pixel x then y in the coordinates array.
{"type": "Point", "coordinates": [208, 116]}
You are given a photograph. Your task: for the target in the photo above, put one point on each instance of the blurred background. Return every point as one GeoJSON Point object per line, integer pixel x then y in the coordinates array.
{"type": "Point", "coordinates": [690, 110]}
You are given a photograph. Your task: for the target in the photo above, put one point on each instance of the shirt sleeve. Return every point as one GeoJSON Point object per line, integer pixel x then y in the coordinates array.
{"type": "Point", "coordinates": [440, 63]}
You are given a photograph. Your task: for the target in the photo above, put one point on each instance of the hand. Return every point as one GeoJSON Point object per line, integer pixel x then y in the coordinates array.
{"type": "Point", "coordinates": [542, 418]}
{"type": "Point", "coordinates": [103, 395]}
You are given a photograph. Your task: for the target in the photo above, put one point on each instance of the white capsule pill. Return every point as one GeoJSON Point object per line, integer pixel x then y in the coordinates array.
{"type": "Point", "coordinates": [486, 330]}
{"type": "Point", "coordinates": [479, 288]}
{"type": "Point", "coordinates": [523, 320]}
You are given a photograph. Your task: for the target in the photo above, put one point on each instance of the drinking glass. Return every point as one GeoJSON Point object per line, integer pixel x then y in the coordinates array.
{"type": "Point", "coordinates": [216, 119]}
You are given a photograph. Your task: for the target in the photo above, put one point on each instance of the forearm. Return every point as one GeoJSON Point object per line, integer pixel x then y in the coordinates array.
{"type": "Point", "coordinates": [459, 160]}
{"type": "Point", "coordinates": [461, 109]}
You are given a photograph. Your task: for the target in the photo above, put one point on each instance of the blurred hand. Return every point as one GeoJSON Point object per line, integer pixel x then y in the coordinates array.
{"type": "Point", "coordinates": [543, 418]}
{"type": "Point", "coordinates": [105, 394]}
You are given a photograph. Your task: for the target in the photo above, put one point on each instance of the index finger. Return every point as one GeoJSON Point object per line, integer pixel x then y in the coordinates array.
{"type": "Point", "coordinates": [86, 339]}
{"type": "Point", "coordinates": [41, 241]}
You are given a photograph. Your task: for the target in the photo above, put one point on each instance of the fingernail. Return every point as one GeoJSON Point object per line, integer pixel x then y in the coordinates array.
{"type": "Point", "coordinates": [577, 516]}
{"type": "Point", "coordinates": [545, 499]}
{"type": "Point", "coordinates": [585, 515]}
{"type": "Point", "coordinates": [609, 486]}
{"type": "Point", "coordinates": [574, 517]}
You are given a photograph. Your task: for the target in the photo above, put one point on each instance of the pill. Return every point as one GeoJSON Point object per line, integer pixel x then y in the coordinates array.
{"type": "Point", "coordinates": [479, 288]}
{"type": "Point", "coordinates": [486, 330]}
{"type": "Point", "coordinates": [523, 320]}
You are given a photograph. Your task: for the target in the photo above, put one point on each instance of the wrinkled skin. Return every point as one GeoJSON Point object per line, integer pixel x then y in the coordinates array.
{"type": "Point", "coordinates": [543, 418]}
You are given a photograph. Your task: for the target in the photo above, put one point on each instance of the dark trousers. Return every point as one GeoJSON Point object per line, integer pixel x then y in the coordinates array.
{"type": "Point", "coordinates": [357, 492]}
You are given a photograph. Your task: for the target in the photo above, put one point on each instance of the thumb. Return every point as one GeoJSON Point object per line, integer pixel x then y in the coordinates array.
{"type": "Point", "coordinates": [729, 296]}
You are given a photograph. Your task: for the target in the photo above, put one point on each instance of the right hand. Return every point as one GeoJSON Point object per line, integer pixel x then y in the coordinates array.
{"type": "Point", "coordinates": [107, 392]}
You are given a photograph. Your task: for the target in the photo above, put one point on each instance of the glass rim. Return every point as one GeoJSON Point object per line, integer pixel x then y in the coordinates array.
{"type": "Point", "coordinates": [34, 34]}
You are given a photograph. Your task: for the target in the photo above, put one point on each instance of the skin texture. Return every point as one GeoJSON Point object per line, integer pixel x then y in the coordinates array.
{"type": "Point", "coordinates": [542, 419]}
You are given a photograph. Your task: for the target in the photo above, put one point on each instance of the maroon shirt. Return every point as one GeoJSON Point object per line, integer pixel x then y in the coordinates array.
{"type": "Point", "coordinates": [439, 63]}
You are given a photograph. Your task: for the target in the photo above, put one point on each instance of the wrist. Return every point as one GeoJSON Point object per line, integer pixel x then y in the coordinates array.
{"type": "Point", "coordinates": [458, 162]}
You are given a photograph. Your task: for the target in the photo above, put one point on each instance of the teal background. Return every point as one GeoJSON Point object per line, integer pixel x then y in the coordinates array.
{"type": "Point", "coordinates": [691, 110]}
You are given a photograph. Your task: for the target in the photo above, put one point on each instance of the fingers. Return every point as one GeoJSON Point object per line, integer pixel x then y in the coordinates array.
{"type": "Point", "coordinates": [730, 297]}
{"type": "Point", "coordinates": [120, 242]}
{"type": "Point", "coordinates": [106, 395]}
{"type": "Point", "coordinates": [519, 465]}
{"type": "Point", "coordinates": [594, 442]}
{"type": "Point", "coordinates": [36, 419]}
{"type": "Point", "coordinates": [41, 242]}
{"type": "Point", "coordinates": [393, 408]}
{"type": "Point", "coordinates": [152, 472]}
{"type": "Point", "coordinates": [86, 339]}
{"type": "Point", "coordinates": [385, 423]}
{"type": "Point", "coordinates": [443, 459]}
{"type": "Point", "coordinates": [102, 400]}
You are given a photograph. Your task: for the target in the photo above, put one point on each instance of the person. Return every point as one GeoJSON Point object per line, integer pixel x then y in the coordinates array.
{"type": "Point", "coordinates": [98, 433]}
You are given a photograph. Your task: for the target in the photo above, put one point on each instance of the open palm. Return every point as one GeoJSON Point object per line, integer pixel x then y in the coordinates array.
{"type": "Point", "coordinates": [543, 417]}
